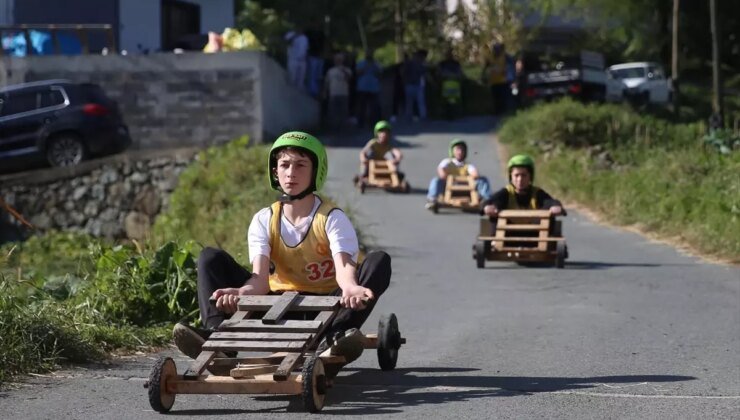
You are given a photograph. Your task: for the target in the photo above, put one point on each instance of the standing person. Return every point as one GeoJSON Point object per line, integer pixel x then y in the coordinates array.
{"type": "Point", "coordinates": [297, 55]}
{"type": "Point", "coordinates": [496, 74]}
{"type": "Point", "coordinates": [336, 90]}
{"type": "Point", "coordinates": [450, 72]}
{"type": "Point", "coordinates": [413, 81]}
{"type": "Point", "coordinates": [368, 89]}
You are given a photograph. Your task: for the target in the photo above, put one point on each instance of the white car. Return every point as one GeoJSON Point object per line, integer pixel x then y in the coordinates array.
{"type": "Point", "coordinates": [641, 82]}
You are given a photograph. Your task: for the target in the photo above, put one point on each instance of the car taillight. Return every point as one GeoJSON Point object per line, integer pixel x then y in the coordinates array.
{"type": "Point", "coordinates": [95, 109]}
{"type": "Point", "coordinates": [574, 89]}
{"type": "Point", "coordinates": [530, 92]}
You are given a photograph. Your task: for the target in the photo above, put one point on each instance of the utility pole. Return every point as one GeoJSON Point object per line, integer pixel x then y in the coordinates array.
{"type": "Point", "coordinates": [399, 30]}
{"type": "Point", "coordinates": [717, 120]}
{"type": "Point", "coordinates": [674, 58]}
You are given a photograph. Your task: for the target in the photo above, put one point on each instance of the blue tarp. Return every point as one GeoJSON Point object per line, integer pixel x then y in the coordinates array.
{"type": "Point", "coordinates": [42, 44]}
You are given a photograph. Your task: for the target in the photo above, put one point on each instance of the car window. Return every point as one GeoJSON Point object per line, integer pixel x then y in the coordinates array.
{"type": "Point", "coordinates": [17, 102]}
{"type": "Point", "coordinates": [628, 73]}
{"type": "Point", "coordinates": [49, 98]}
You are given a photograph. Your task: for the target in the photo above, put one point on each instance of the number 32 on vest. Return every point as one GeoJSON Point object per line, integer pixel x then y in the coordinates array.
{"type": "Point", "coordinates": [321, 271]}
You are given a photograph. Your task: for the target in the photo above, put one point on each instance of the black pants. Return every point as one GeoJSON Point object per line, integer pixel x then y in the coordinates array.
{"type": "Point", "coordinates": [217, 270]}
{"type": "Point", "coordinates": [368, 107]}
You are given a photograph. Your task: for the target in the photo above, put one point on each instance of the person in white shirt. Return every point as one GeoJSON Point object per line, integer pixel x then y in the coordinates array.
{"type": "Point", "coordinates": [336, 90]}
{"type": "Point", "coordinates": [455, 165]}
{"type": "Point", "coordinates": [297, 55]}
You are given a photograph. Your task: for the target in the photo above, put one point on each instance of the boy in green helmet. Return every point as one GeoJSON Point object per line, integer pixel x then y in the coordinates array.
{"type": "Point", "coordinates": [455, 165]}
{"type": "Point", "coordinates": [378, 147]}
{"type": "Point", "coordinates": [520, 193]}
{"type": "Point", "coordinates": [312, 244]}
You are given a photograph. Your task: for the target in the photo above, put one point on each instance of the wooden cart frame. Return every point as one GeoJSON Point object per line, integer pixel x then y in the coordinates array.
{"type": "Point", "coordinates": [383, 174]}
{"type": "Point", "coordinates": [460, 193]}
{"type": "Point", "coordinates": [522, 236]}
{"type": "Point", "coordinates": [294, 368]}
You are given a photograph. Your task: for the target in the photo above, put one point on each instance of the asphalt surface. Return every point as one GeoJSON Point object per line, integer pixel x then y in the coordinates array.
{"type": "Point", "coordinates": [629, 329]}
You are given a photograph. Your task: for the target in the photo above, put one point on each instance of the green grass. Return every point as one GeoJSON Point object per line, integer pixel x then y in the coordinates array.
{"type": "Point", "coordinates": [668, 182]}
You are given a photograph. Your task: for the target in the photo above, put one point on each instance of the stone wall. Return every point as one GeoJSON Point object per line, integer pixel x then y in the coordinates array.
{"type": "Point", "coordinates": [118, 198]}
{"type": "Point", "coordinates": [175, 100]}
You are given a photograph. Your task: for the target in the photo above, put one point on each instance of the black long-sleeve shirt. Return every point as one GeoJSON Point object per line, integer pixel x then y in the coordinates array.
{"type": "Point", "coordinates": [500, 199]}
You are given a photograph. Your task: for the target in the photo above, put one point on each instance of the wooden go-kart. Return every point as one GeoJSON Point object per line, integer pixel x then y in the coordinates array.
{"type": "Point", "coordinates": [294, 369]}
{"type": "Point", "coordinates": [460, 193]}
{"type": "Point", "coordinates": [523, 236]}
{"type": "Point", "coordinates": [383, 174]}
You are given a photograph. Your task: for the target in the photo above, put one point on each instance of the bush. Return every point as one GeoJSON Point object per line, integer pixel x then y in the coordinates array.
{"type": "Point", "coordinates": [635, 170]}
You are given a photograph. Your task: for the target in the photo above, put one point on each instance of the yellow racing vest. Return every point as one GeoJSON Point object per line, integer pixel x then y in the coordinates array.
{"type": "Point", "coordinates": [497, 70]}
{"type": "Point", "coordinates": [512, 204]}
{"type": "Point", "coordinates": [309, 266]}
{"type": "Point", "coordinates": [452, 169]}
{"type": "Point", "coordinates": [378, 149]}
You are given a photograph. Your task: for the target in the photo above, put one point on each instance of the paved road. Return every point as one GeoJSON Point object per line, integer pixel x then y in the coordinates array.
{"type": "Point", "coordinates": [630, 329]}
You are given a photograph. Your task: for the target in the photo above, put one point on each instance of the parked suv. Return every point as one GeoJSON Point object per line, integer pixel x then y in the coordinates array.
{"type": "Point", "coordinates": [58, 121]}
{"type": "Point", "coordinates": [641, 83]}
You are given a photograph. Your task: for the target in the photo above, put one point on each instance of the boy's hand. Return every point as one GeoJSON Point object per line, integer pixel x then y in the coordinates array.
{"type": "Point", "coordinates": [556, 210]}
{"type": "Point", "coordinates": [227, 299]}
{"type": "Point", "coordinates": [355, 297]}
{"type": "Point", "coordinates": [490, 210]}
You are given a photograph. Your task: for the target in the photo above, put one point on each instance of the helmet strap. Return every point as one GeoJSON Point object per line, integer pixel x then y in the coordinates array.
{"type": "Point", "coordinates": [285, 198]}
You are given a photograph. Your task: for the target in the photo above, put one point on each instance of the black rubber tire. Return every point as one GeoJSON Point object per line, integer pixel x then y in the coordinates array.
{"type": "Point", "coordinates": [406, 187]}
{"type": "Point", "coordinates": [435, 208]}
{"type": "Point", "coordinates": [480, 254]}
{"type": "Point", "coordinates": [389, 341]}
{"type": "Point", "coordinates": [362, 187]}
{"type": "Point", "coordinates": [65, 150]}
{"type": "Point", "coordinates": [314, 384]}
{"type": "Point", "coordinates": [159, 399]}
{"type": "Point", "coordinates": [560, 253]}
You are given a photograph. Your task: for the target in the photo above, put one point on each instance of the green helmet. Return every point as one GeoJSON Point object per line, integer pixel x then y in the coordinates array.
{"type": "Point", "coordinates": [521, 160]}
{"type": "Point", "coordinates": [381, 125]}
{"type": "Point", "coordinates": [458, 142]}
{"type": "Point", "coordinates": [306, 142]}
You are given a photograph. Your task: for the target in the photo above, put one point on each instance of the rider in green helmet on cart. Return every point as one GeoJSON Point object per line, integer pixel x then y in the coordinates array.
{"type": "Point", "coordinates": [380, 147]}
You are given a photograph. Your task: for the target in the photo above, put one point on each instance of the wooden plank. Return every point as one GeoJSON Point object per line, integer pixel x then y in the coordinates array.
{"type": "Point", "coordinates": [260, 336]}
{"type": "Point", "coordinates": [286, 366]}
{"type": "Point", "coordinates": [523, 227]}
{"type": "Point", "coordinates": [256, 325]}
{"type": "Point", "coordinates": [272, 359]}
{"type": "Point", "coordinates": [251, 371]}
{"type": "Point", "coordinates": [280, 307]}
{"type": "Point", "coordinates": [199, 365]}
{"type": "Point", "coordinates": [533, 214]}
{"type": "Point", "coordinates": [253, 345]}
{"type": "Point", "coordinates": [228, 385]}
{"type": "Point", "coordinates": [302, 303]}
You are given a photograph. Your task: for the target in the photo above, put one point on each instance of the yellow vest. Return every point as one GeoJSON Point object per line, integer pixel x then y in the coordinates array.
{"type": "Point", "coordinates": [379, 150]}
{"type": "Point", "coordinates": [512, 204]}
{"type": "Point", "coordinates": [497, 70]}
{"type": "Point", "coordinates": [309, 266]}
{"type": "Point", "coordinates": [452, 169]}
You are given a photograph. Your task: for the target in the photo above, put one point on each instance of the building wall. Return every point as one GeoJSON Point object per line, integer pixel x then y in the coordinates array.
{"type": "Point", "coordinates": [215, 15]}
{"type": "Point", "coordinates": [6, 12]}
{"type": "Point", "coordinates": [140, 22]}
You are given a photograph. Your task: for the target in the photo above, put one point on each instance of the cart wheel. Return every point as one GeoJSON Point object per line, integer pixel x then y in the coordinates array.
{"type": "Point", "coordinates": [479, 251]}
{"type": "Point", "coordinates": [405, 187]}
{"type": "Point", "coordinates": [362, 187]}
{"type": "Point", "coordinates": [314, 384]}
{"type": "Point", "coordinates": [163, 370]}
{"type": "Point", "coordinates": [389, 341]}
{"type": "Point", "coordinates": [435, 208]}
{"type": "Point", "coordinates": [560, 253]}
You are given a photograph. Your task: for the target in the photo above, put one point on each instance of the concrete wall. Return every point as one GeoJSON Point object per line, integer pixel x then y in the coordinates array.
{"type": "Point", "coordinates": [194, 99]}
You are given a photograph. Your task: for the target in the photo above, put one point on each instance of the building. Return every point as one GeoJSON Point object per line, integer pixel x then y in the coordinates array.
{"type": "Point", "coordinates": [139, 26]}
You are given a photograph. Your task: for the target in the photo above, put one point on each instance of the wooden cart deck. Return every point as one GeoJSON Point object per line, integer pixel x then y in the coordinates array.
{"type": "Point", "coordinates": [460, 193]}
{"type": "Point", "coordinates": [384, 174]}
{"type": "Point", "coordinates": [522, 236]}
{"type": "Point", "coordinates": [293, 368]}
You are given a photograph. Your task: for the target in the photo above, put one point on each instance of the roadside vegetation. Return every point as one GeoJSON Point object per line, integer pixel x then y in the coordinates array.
{"type": "Point", "coordinates": [68, 297]}
{"type": "Point", "coordinates": [665, 178]}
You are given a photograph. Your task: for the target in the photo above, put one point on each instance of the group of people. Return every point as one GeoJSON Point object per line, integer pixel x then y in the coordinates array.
{"type": "Point", "coordinates": [303, 242]}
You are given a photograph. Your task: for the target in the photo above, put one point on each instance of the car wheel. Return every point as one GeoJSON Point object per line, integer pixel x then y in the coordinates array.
{"type": "Point", "coordinates": [65, 150]}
